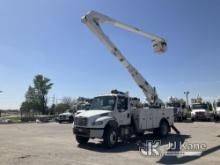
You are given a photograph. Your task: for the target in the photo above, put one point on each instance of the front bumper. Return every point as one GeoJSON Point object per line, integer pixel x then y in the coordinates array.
{"type": "Point", "coordinates": [177, 115]}
{"type": "Point", "coordinates": [88, 132]}
{"type": "Point", "coordinates": [202, 116]}
{"type": "Point", "coordinates": [63, 118]}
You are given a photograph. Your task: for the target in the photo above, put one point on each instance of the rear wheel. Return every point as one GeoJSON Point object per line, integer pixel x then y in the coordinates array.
{"type": "Point", "coordinates": [164, 129]}
{"type": "Point", "coordinates": [110, 137]}
{"type": "Point", "coordinates": [156, 131]}
{"type": "Point", "coordinates": [82, 140]}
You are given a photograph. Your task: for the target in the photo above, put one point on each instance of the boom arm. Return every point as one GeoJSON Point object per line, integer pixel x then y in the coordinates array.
{"type": "Point", "coordinates": [94, 19]}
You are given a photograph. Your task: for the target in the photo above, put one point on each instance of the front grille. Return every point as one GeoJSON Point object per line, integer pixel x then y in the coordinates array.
{"type": "Point", "coordinates": [200, 114]}
{"type": "Point", "coordinates": [63, 117]}
{"type": "Point", "coordinates": [80, 121]}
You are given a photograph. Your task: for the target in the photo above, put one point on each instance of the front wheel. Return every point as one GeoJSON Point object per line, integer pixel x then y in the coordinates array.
{"type": "Point", "coordinates": [110, 137]}
{"type": "Point", "coordinates": [82, 140]}
{"type": "Point", "coordinates": [70, 119]}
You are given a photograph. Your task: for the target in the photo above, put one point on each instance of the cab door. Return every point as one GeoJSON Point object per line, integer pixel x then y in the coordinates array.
{"type": "Point", "coordinates": [123, 111]}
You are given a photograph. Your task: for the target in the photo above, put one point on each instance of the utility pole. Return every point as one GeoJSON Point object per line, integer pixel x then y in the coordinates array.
{"type": "Point", "coordinates": [54, 98]}
{"type": "Point", "coordinates": [187, 98]}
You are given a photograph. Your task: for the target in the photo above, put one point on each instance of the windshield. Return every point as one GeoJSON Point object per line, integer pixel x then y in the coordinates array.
{"type": "Point", "coordinates": [200, 106]}
{"type": "Point", "coordinates": [103, 103]}
{"type": "Point", "coordinates": [176, 105]}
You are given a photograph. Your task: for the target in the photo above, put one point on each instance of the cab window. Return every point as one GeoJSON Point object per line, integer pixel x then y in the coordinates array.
{"type": "Point", "coordinates": [122, 104]}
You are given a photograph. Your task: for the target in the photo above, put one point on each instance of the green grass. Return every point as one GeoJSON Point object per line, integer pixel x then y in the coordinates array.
{"type": "Point", "coordinates": [13, 119]}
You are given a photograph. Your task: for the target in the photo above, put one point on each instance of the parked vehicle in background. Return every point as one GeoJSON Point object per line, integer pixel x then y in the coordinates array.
{"type": "Point", "coordinates": [216, 105]}
{"type": "Point", "coordinates": [179, 108]}
{"type": "Point", "coordinates": [201, 110]}
{"type": "Point", "coordinates": [67, 116]}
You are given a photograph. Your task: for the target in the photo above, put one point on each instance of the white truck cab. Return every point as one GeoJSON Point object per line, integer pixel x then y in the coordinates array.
{"type": "Point", "coordinates": [201, 111]}
{"type": "Point", "coordinates": [179, 107]}
{"type": "Point", "coordinates": [111, 117]}
{"type": "Point", "coordinates": [67, 116]}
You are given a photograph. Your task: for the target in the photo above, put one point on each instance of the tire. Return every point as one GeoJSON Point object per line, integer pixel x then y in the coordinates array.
{"type": "Point", "coordinates": [70, 119]}
{"type": "Point", "coordinates": [164, 128]}
{"type": "Point", "coordinates": [156, 131]}
{"type": "Point", "coordinates": [60, 121]}
{"type": "Point", "coordinates": [82, 140]}
{"type": "Point", "coordinates": [139, 134]}
{"type": "Point", "coordinates": [110, 137]}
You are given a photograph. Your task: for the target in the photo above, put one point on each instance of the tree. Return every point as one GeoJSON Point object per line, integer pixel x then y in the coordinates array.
{"type": "Point", "coordinates": [69, 101]}
{"type": "Point", "coordinates": [31, 99]}
{"type": "Point", "coordinates": [66, 103]}
{"type": "Point", "coordinates": [36, 96]}
{"type": "Point", "coordinates": [42, 86]}
{"type": "Point", "coordinates": [61, 107]}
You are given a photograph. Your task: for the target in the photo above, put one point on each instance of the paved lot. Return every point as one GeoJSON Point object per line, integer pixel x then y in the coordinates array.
{"type": "Point", "coordinates": [52, 143]}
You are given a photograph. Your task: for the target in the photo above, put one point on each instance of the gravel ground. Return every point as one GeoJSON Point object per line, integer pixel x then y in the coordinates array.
{"type": "Point", "coordinates": [53, 143]}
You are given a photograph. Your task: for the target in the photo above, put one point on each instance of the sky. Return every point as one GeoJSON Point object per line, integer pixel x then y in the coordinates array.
{"type": "Point", "coordinates": [47, 37]}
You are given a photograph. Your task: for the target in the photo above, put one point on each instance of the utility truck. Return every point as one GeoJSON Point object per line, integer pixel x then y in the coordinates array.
{"type": "Point", "coordinates": [111, 116]}
{"type": "Point", "coordinates": [201, 110]}
{"type": "Point", "coordinates": [217, 109]}
{"type": "Point", "coordinates": [179, 107]}
{"type": "Point", "coordinates": [67, 116]}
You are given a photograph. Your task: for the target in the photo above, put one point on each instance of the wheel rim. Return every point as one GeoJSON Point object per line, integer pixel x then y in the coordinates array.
{"type": "Point", "coordinates": [113, 137]}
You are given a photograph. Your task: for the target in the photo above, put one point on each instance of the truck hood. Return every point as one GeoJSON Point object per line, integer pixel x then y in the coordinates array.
{"type": "Point", "coordinates": [66, 114]}
{"type": "Point", "coordinates": [91, 113]}
{"type": "Point", "coordinates": [218, 109]}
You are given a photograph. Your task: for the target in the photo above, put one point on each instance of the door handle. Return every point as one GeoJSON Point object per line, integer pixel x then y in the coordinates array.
{"type": "Point", "coordinates": [128, 115]}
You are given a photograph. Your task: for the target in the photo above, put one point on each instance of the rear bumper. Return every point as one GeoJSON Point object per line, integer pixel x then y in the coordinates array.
{"type": "Point", "coordinates": [88, 132]}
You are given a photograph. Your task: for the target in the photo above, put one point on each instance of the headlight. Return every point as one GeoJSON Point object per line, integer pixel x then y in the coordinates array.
{"type": "Point", "coordinates": [97, 123]}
